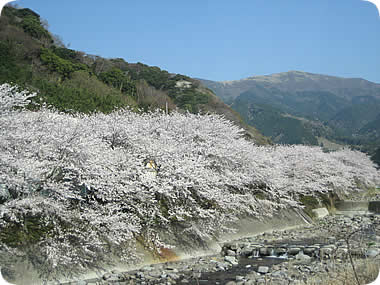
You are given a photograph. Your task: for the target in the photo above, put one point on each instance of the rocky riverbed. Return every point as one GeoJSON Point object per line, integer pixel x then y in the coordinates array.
{"type": "Point", "coordinates": [314, 254]}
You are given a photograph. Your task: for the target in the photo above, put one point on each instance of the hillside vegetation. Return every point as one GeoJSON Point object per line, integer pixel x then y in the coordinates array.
{"type": "Point", "coordinates": [79, 191]}
{"type": "Point", "coordinates": [72, 81]}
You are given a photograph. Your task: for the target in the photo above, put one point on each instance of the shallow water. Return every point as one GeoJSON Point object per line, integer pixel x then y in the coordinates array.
{"type": "Point", "coordinates": [222, 277]}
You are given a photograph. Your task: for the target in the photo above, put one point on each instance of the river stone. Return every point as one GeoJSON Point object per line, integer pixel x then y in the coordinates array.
{"type": "Point", "coordinates": [303, 258]}
{"type": "Point", "coordinates": [333, 246]}
{"type": "Point", "coordinates": [278, 274]}
{"type": "Point", "coordinates": [320, 212]}
{"type": "Point", "coordinates": [233, 246]}
{"type": "Point", "coordinates": [221, 266]}
{"type": "Point", "coordinates": [293, 250]}
{"type": "Point", "coordinates": [280, 250]}
{"type": "Point", "coordinates": [140, 275]}
{"type": "Point", "coordinates": [264, 251]}
{"type": "Point", "coordinates": [278, 282]}
{"type": "Point", "coordinates": [114, 278]}
{"type": "Point", "coordinates": [372, 252]}
{"type": "Point", "coordinates": [263, 269]}
{"type": "Point", "coordinates": [341, 252]}
{"type": "Point", "coordinates": [325, 251]}
{"type": "Point", "coordinates": [231, 259]}
{"type": "Point", "coordinates": [155, 273]}
{"type": "Point", "coordinates": [147, 268]}
{"type": "Point", "coordinates": [174, 276]}
{"type": "Point", "coordinates": [230, 252]}
{"type": "Point", "coordinates": [246, 252]}
{"type": "Point", "coordinates": [107, 276]}
{"type": "Point", "coordinates": [331, 239]}
{"type": "Point", "coordinates": [309, 250]}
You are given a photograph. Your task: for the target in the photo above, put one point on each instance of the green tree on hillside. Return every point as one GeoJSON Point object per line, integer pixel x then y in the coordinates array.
{"type": "Point", "coordinates": [82, 92]}
{"type": "Point", "coordinates": [65, 53]}
{"type": "Point", "coordinates": [32, 26]}
{"type": "Point", "coordinates": [118, 79]}
{"type": "Point", "coordinates": [57, 64]}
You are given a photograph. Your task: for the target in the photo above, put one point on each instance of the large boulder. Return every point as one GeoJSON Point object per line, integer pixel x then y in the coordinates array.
{"type": "Point", "coordinates": [263, 269]}
{"type": "Point", "coordinates": [372, 252]}
{"type": "Point", "coordinates": [320, 212]}
{"type": "Point", "coordinates": [294, 250]}
{"type": "Point", "coordinates": [231, 259]}
{"type": "Point", "coordinates": [303, 258]}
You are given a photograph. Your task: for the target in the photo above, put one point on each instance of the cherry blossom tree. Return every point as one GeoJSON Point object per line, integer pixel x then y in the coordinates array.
{"type": "Point", "coordinates": [76, 192]}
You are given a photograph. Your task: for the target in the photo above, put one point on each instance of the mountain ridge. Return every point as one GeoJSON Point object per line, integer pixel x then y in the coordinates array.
{"type": "Point", "coordinates": [342, 110]}
{"type": "Point", "coordinates": [283, 80]}
{"type": "Point", "coordinates": [296, 72]}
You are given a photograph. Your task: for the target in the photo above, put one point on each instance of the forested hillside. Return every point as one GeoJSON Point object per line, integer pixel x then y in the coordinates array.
{"type": "Point", "coordinates": [303, 108]}
{"type": "Point", "coordinates": [72, 81]}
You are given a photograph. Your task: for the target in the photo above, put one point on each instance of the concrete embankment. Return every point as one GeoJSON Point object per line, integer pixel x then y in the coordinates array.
{"type": "Point", "coordinates": [352, 205]}
{"type": "Point", "coordinates": [245, 227]}
{"type": "Point", "coordinates": [285, 219]}
{"type": "Point", "coordinates": [374, 207]}
{"type": "Point", "coordinates": [343, 207]}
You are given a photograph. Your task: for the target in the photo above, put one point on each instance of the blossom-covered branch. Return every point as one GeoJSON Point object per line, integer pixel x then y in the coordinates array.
{"type": "Point", "coordinates": [81, 189]}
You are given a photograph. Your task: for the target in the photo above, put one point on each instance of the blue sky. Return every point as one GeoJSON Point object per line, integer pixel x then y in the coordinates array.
{"type": "Point", "coordinates": [224, 39]}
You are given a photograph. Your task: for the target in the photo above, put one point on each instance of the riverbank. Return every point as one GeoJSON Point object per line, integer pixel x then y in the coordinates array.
{"type": "Point", "coordinates": [319, 253]}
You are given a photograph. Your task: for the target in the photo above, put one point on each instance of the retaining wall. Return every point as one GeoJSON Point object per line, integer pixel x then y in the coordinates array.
{"type": "Point", "coordinates": [374, 207]}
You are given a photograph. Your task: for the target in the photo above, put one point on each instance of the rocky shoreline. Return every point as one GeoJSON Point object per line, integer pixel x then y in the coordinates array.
{"type": "Point", "coordinates": [318, 252]}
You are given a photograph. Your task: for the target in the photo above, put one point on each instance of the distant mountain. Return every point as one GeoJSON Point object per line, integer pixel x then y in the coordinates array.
{"type": "Point", "coordinates": [73, 81]}
{"type": "Point", "coordinates": [300, 108]}
{"type": "Point", "coordinates": [294, 81]}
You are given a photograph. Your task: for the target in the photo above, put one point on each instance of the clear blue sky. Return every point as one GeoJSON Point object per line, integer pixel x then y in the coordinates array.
{"type": "Point", "coordinates": [224, 39]}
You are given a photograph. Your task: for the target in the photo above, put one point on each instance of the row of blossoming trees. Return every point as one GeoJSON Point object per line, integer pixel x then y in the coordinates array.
{"type": "Point", "coordinates": [75, 190]}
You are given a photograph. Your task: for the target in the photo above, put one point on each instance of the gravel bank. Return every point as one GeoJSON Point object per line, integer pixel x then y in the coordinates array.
{"type": "Point", "coordinates": [313, 253]}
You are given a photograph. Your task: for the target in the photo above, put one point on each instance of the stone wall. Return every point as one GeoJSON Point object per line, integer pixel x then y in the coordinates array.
{"type": "Point", "coordinates": [374, 206]}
